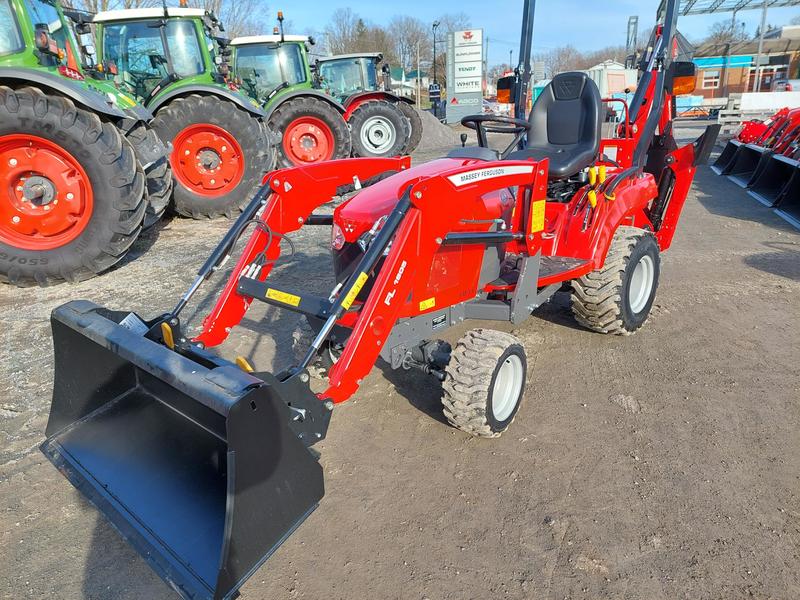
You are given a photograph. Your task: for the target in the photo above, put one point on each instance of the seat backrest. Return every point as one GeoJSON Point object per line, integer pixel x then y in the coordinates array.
{"type": "Point", "coordinates": [567, 113]}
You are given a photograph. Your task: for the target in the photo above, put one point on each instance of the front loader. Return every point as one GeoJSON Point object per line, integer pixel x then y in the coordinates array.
{"type": "Point", "coordinates": [204, 463]}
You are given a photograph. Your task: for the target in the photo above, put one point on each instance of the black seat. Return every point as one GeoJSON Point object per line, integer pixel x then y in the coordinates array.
{"type": "Point", "coordinates": [565, 125]}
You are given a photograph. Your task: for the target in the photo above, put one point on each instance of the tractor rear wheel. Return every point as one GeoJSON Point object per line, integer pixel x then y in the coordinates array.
{"type": "Point", "coordinates": [72, 199]}
{"type": "Point", "coordinates": [379, 129]}
{"type": "Point", "coordinates": [312, 131]}
{"type": "Point", "coordinates": [220, 154]}
{"type": "Point", "coordinates": [485, 382]}
{"type": "Point", "coordinates": [617, 298]}
{"type": "Point", "coordinates": [416, 126]}
{"type": "Point", "coordinates": [153, 157]}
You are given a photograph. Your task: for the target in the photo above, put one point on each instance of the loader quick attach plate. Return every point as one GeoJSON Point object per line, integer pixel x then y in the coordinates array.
{"type": "Point", "coordinates": [197, 467]}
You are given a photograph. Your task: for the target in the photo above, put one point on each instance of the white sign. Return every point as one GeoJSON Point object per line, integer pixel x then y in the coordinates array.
{"type": "Point", "coordinates": [470, 37]}
{"type": "Point", "coordinates": [472, 84]}
{"type": "Point", "coordinates": [470, 69]}
{"type": "Point", "coordinates": [468, 54]}
{"type": "Point", "coordinates": [491, 173]}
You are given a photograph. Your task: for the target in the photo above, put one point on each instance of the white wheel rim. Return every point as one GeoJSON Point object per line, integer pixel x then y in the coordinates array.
{"type": "Point", "coordinates": [507, 387]}
{"type": "Point", "coordinates": [378, 134]}
{"type": "Point", "coordinates": [641, 285]}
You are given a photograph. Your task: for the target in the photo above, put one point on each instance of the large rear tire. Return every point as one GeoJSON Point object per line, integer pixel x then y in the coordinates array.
{"type": "Point", "coordinates": [617, 298]}
{"type": "Point", "coordinates": [379, 129]}
{"type": "Point", "coordinates": [153, 157]}
{"type": "Point", "coordinates": [72, 199]}
{"type": "Point", "coordinates": [312, 131]}
{"type": "Point", "coordinates": [416, 126]}
{"type": "Point", "coordinates": [220, 154]}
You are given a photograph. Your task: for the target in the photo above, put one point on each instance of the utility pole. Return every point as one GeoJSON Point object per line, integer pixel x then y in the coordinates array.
{"type": "Point", "coordinates": [435, 25]}
{"type": "Point", "coordinates": [757, 86]}
{"type": "Point", "coordinates": [486, 66]}
{"type": "Point", "coordinates": [510, 60]}
{"type": "Point", "coordinates": [419, 77]}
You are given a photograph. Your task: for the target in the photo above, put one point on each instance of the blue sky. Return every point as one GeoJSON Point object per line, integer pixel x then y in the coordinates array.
{"type": "Point", "coordinates": [585, 24]}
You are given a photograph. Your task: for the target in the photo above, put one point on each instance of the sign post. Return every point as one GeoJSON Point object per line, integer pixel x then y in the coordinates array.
{"type": "Point", "coordinates": [464, 74]}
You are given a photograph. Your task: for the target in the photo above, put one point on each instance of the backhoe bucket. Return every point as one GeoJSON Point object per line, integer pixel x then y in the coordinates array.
{"type": "Point", "coordinates": [745, 164]}
{"type": "Point", "coordinates": [726, 156]}
{"type": "Point", "coordinates": [198, 466]}
{"type": "Point", "coordinates": [770, 183]}
{"type": "Point", "coordinates": [788, 204]}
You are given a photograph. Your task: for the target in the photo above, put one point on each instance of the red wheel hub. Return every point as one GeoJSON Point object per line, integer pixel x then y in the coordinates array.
{"type": "Point", "coordinates": [207, 160]}
{"type": "Point", "coordinates": [46, 199]}
{"type": "Point", "coordinates": [308, 140]}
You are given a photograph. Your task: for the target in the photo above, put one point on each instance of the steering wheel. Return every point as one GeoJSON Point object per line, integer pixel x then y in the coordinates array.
{"type": "Point", "coordinates": [500, 124]}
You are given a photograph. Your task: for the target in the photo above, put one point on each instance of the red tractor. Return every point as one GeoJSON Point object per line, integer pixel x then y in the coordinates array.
{"type": "Point", "coordinates": [204, 464]}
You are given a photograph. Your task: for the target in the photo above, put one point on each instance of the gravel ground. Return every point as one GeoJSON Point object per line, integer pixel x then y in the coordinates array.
{"type": "Point", "coordinates": [659, 466]}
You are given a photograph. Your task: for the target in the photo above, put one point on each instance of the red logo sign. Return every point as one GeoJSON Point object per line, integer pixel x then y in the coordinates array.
{"type": "Point", "coordinates": [467, 35]}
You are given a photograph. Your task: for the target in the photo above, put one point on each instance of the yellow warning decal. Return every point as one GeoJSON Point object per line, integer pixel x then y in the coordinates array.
{"type": "Point", "coordinates": [283, 297]}
{"type": "Point", "coordinates": [351, 295]}
{"type": "Point", "coordinates": [537, 215]}
{"type": "Point", "coordinates": [427, 304]}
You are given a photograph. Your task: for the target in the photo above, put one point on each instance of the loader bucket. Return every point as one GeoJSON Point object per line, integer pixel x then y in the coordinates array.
{"type": "Point", "coordinates": [770, 182]}
{"type": "Point", "coordinates": [744, 165]}
{"type": "Point", "coordinates": [788, 204]}
{"type": "Point", "coordinates": [726, 156]}
{"type": "Point", "coordinates": [197, 467]}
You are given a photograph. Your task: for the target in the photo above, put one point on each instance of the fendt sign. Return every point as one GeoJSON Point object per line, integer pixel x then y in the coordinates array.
{"type": "Point", "coordinates": [464, 73]}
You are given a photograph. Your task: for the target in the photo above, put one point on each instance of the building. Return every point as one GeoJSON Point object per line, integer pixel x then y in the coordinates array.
{"type": "Point", "coordinates": [724, 69]}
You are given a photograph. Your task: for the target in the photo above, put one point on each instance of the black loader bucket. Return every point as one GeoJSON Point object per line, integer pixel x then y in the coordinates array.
{"type": "Point", "coordinates": [788, 203]}
{"type": "Point", "coordinates": [198, 465]}
{"type": "Point", "coordinates": [726, 156]}
{"type": "Point", "coordinates": [744, 165]}
{"type": "Point", "coordinates": [772, 180]}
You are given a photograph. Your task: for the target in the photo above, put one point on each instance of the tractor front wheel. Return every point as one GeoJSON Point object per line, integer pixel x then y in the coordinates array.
{"type": "Point", "coordinates": [71, 190]}
{"type": "Point", "coordinates": [379, 129]}
{"type": "Point", "coordinates": [484, 382]}
{"type": "Point", "coordinates": [220, 154]}
{"type": "Point", "coordinates": [415, 120]}
{"type": "Point", "coordinates": [312, 131]}
{"type": "Point", "coordinates": [617, 298]}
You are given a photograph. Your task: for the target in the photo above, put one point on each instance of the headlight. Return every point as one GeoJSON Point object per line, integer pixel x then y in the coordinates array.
{"type": "Point", "coordinates": [337, 237]}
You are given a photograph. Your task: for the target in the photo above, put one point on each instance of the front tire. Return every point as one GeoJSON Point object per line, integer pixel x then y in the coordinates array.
{"type": "Point", "coordinates": [153, 157]}
{"type": "Point", "coordinates": [312, 131]}
{"type": "Point", "coordinates": [220, 154]}
{"type": "Point", "coordinates": [379, 130]}
{"type": "Point", "coordinates": [617, 298]}
{"type": "Point", "coordinates": [484, 382]}
{"type": "Point", "coordinates": [73, 197]}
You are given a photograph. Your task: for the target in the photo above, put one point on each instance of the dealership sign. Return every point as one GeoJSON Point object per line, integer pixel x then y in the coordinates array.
{"type": "Point", "coordinates": [464, 73]}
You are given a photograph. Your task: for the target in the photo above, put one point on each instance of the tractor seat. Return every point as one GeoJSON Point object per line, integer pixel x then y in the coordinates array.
{"type": "Point", "coordinates": [565, 125]}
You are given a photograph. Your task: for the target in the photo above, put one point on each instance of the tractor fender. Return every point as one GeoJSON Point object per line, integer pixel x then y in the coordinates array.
{"type": "Point", "coordinates": [185, 90]}
{"type": "Point", "coordinates": [73, 90]}
{"type": "Point", "coordinates": [272, 106]}
{"type": "Point", "coordinates": [353, 101]}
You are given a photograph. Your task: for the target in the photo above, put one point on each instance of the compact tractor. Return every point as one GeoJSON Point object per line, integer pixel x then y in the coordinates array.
{"type": "Point", "coordinates": [175, 61]}
{"type": "Point", "coordinates": [205, 464]}
{"type": "Point", "coordinates": [81, 167]}
{"type": "Point", "coordinates": [371, 108]}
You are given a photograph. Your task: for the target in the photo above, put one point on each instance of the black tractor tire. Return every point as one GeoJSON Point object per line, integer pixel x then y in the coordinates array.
{"type": "Point", "coordinates": [617, 298]}
{"type": "Point", "coordinates": [116, 179]}
{"type": "Point", "coordinates": [298, 107]}
{"type": "Point", "coordinates": [246, 128]}
{"type": "Point", "coordinates": [416, 126]}
{"type": "Point", "coordinates": [379, 116]}
{"type": "Point", "coordinates": [471, 382]}
{"type": "Point", "coordinates": [153, 156]}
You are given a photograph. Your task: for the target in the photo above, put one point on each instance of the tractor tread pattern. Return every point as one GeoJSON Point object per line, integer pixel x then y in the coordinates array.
{"type": "Point", "coordinates": [468, 377]}
{"type": "Point", "coordinates": [415, 122]}
{"type": "Point", "coordinates": [380, 108]}
{"type": "Point", "coordinates": [153, 156]}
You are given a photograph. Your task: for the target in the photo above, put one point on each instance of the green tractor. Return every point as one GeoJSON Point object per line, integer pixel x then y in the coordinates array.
{"type": "Point", "coordinates": [175, 61]}
{"type": "Point", "coordinates": [81, 170]}
{"type": "Point", "coordinates": [274, 70]}
{"type": "Point", "coordinates": [372, 109]}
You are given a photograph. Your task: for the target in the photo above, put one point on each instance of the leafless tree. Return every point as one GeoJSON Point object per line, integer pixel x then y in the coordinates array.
{"type": "Point", "coordinates": [726, 32]}
{"type": "Point", "coordinates": [340, 33]}
{"type": "Point", "coordinates": [406, 33]}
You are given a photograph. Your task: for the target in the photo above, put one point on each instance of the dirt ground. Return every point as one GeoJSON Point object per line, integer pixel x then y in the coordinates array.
{"type": "Point", "coordinates": [660, 466]}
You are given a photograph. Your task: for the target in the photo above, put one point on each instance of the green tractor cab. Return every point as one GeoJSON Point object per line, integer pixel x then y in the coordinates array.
{"type": "Point", "coordinates": [361, 82]}
{"type": "Point", "coordinates": [274, 70]}
{"type": "Point", "coordinates": [82, 172]}
{"type": "Point", "coordinates": [175, 61]}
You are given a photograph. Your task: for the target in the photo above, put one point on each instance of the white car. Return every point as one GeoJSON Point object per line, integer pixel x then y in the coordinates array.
{"type": "Point", "coordinates": [787, 85]}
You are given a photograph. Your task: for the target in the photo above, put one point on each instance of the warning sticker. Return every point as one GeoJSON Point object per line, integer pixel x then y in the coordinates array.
{"type": "Point", "coordinates": [427, 304]}
{"type": "Point", "coordinates": [537, 215]}
{"type": "Point", "coordinates": [283, 297]}
{"type": "Point", "coordinates": [351, 295]}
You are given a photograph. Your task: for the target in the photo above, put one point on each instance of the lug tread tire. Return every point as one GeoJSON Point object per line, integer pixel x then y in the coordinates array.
{"type": "Point", "coordinates": [245, 127]}
{"type": "Point", "coordinates": [415, 121]}
{"type": "Point", "coordinates": [387, 110]}
{"type": "Point", "coordinates": [469, 376]}
{"type": "Point", "coordinates": [597, 296]}
{"type": "Point", "coordinates": [116, 177]}
{"type": "Point", "coordinates": [153, 156]}
{"type": "Point", "coordinates": [302, 106]}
